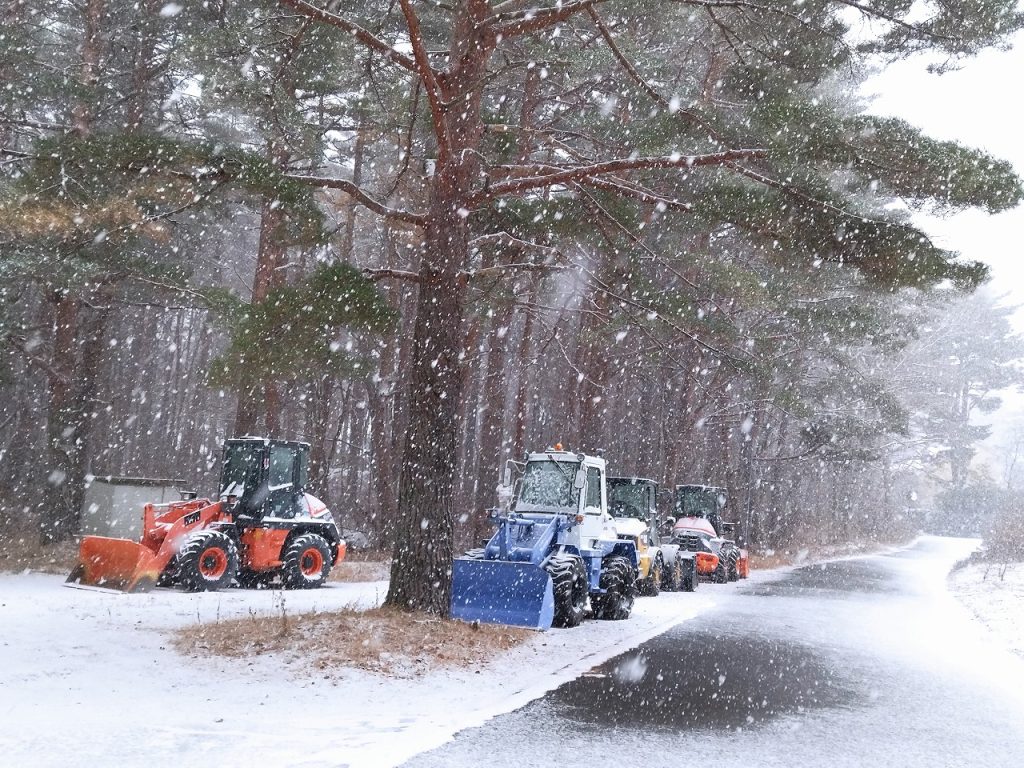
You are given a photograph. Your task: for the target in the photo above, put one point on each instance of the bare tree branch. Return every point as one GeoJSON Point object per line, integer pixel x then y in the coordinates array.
{"type": "Point", "coordinates": [362, 35]}
{"type": "Point", "coordinates": [362, 197]}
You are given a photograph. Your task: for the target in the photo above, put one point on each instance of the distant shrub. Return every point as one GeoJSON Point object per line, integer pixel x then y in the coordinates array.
{"type": "Point", "coordinates": [1005, 541]}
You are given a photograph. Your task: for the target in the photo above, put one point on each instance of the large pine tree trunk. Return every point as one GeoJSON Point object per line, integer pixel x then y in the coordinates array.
{"type": "Point", "coordinates": [421, 566]}
{"type": "Point", "coordinates": [422, 561]}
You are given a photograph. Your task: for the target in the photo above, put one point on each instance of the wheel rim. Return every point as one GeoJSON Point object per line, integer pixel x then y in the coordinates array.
{"type": "Point", "coordinates": [312, 562]}
{"type": "Point", "coordinates": [213, 563]}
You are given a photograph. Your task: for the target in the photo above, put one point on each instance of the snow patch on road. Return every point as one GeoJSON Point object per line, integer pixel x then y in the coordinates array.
{"type": "Point", "coordinates": [996, 598]}
{"type": "Point", "coordinates": [90, 677]}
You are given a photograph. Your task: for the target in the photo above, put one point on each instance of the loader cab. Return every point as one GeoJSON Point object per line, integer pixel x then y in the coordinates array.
{"type": "Point", "coordinates": [563, 482]}
{"type": "Point", "coordinates": [705, 501]}
{"type": "Point", "coordinates": [632, 503]}
{"type": "Point", "coordinates": [635, 498]}
{"type": "Point", "coordinates": [267, 477]}
{"type": "Point", "coordinates": [566, 483]}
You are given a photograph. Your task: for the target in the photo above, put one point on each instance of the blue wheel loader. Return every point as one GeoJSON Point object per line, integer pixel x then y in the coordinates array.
{"type": "Point", "coordinates": [555, 550]}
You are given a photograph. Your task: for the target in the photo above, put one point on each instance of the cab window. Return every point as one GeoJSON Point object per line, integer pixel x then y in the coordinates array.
{"type": "Point", "coordinates": [593, 487]}
{"type": "Point", "coordinates": [281, 462]}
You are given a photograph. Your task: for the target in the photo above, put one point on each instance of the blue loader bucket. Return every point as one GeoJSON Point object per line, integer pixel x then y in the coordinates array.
{"type": "Point", "coordinates": [502, 592]}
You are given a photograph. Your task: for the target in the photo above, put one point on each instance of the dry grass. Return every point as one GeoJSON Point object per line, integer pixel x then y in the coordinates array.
{"type": "Point", "coordinates": [23, 551]}
{"type": "Point", "coordinates": [801, 555]}
{"type": "Point", "coordinates": [361, 570]}
{"type": "Point", "coordinates": [766, 562]}
{"type": "Point", "coordinates": [381, 640]}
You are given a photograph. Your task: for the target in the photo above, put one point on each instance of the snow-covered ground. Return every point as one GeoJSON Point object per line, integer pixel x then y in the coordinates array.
{"type": "Point", "coordinates": [869, 661]}
{"type": "Point", "coordinates": [89, 677]}
{"type": "Point", "coordinates": [998, 602]}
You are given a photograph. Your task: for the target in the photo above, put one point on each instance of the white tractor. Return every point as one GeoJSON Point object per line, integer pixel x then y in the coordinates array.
{"type": "Point", "coordinates": [555, 547]}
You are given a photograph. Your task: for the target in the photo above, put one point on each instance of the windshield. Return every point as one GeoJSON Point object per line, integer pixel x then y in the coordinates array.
{"type": "Point", "coordinates": [549, 484]}
{"type": "Point", "coordinates": [697, 502]}
{"type": "Point", "coordinates": [628, 500]}
{"type": "Point", "coordinates": [241, 468]}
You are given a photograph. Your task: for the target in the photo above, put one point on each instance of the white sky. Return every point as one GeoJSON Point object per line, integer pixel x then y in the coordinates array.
{"type": "Point", "coordinates": [979, 105]}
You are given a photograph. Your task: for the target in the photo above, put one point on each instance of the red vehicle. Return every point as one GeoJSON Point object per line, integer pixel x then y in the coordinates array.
{"type": "Point", "coordinates": [695, 536]}
{"type": "Point", "coordinates": [700, 528]}
{"type": "Point", "coordinates": [263, 527]}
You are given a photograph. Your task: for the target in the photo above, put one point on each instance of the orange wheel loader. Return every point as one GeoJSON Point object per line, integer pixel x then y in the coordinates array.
{"type": "Point", "coordinates": [263, 527]}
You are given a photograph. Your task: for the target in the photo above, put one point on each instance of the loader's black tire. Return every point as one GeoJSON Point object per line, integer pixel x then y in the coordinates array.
{"type": "Point", "coordinates": [206, 562]}
{"type": "Point", "coordinates": [651, 586]}
{"type": "Point", "coordinates": [618, 579]}
{"type": "Point", "coordinates": [306, 562]}
{"type": "Point", "coordinates": [569, 584]}
{"type": "Point", "coordinates": [731, 571]}
{"type": "Point", "coordinates": [690, 578]}
{"type": "Point", "coordinates": [672, 580]}
{"type": "Point", "coordinates": [720, 574]}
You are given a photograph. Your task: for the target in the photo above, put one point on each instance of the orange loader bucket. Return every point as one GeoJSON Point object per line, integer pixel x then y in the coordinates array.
{"type": "Point", "coordinates": [115, 564]}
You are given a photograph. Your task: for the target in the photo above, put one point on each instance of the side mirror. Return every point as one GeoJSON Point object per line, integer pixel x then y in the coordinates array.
{"type": "Point", "coordinates": [506, 476]}
{"type": "Point", "coordinates": [580, 480]}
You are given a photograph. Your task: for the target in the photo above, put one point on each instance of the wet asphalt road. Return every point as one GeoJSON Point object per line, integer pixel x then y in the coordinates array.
{"type": "Point", "coordinates": [853, 663]}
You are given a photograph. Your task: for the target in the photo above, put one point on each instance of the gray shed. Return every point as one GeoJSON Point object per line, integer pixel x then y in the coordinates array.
{"type": "Point", "coordinates": [113, 505]}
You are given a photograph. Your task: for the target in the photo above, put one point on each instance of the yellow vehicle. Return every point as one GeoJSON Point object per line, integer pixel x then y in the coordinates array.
{"type": "Point", "coordinates": [632, 502]}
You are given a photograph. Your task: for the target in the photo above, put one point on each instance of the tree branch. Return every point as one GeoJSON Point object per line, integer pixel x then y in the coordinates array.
{"type": "Point", "coordinates": [362, 197]}
{"type": "Point", "coordinates": [533, 20]}
{"type": "Point", "coordinates": [523, 266]}
{"type": "Point", "coordinates": [365, 37]}
{"type": "Point", "coordinates": [660, 100]}
{"type": "Point", "coordinates": [584, 172]}
{"type": "Point", "coordinates": [869, 11]}
{"type": "Point", "coordinates": [429, 78]}
{"type": "Point", "coordinates": [625, 190]}
{"type": "Point", "coordinates": [396, 274]}
{"type": "Point", "coordinates": [792, 191]}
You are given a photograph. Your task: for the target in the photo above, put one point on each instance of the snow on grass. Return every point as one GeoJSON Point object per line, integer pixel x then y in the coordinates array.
{"type": "Point", "coordinates": [380, 640]}
{"type": "Point", "coordinates": [92, 677]}
{"type": "Point", "coordinates": [996, 598]}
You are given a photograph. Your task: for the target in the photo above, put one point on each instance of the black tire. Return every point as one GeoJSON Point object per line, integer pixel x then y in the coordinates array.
{"type": "Point", "coordinates": [651, 586]}
{"type": "Point", "coordinates": [475, 554]}
{"type": "Point", "coordinates": [731, 571]}
{"type": "Point", "coordinates": [207, 561]}
{"type": "Point", "coordinates": [672, 581]}
{"type": "Point", "coordinates": [690, 578]}
{"type": "Point", "coordinates": [618, 579]}
{"type": "Point", "coordinates": [306, 562]}
{"type": "Point", "coordinates": [721, 572]}
{"type": "Point", "coordinates": [569, 583]}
